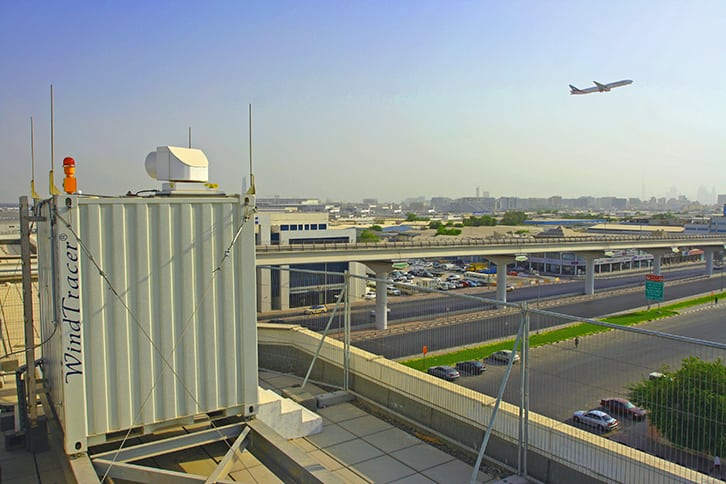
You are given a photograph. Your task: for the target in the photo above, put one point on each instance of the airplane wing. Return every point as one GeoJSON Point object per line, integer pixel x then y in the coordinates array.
{"type": "Point", "coordinates": [601, 87]}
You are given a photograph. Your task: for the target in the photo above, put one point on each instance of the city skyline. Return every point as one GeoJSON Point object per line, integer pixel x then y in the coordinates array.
{"type": "Point", "coordinates": [672, 194]}
{"type": "Point", "coordinates": [370, 100]}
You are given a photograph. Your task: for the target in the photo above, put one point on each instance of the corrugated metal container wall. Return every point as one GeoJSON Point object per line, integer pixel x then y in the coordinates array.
{"type": "Point", "coordinates": [156, 326]}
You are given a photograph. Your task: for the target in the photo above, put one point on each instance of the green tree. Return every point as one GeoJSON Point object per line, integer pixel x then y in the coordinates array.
{"type": "Point", "coordinates": [513, 218]}
{"type": "Point", "coordinates": [368, 236]}
{"type": "Point", "coordinates": [665, 217]}
{"type": "Point", "coordinates": [434, 224]}
{"type": "Point", "coordinates": [412, 217]}
{"type": "Point", "coordinates": [376, 228]}
{"type": "Point", "coordinates": [444, 231]}
{"type": "Point", "coordinates": [483, 221]}
{"type": "Point", "coordinates": [688, 407]}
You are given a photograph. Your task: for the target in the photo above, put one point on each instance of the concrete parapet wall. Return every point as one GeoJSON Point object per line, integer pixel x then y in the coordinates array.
{"type": "Point", "coordinates": [558, 452]}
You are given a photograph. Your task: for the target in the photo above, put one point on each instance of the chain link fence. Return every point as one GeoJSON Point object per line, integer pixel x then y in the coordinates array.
{"type": "Point", "coordinates": [652, 382]}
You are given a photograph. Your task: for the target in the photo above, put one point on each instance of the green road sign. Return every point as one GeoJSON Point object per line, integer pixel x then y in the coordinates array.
{"type": "Point", "coordinates": [653, 290]}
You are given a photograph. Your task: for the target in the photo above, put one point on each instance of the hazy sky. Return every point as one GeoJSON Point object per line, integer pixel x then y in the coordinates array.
{"type": "Point", "coordinates": [387, 100]}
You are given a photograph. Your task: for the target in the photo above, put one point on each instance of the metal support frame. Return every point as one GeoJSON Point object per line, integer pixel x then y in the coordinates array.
{"type": "Point", "coordinates": [524, 396]}
{"type": "Point", "coordinates": [346, 335]}
{"type": "Point", "coordinates": [117, 463]}
{"type": "Point", "coordinates": [500, 395]}
{"type": "Point", "coordinates": [341, 296]}
{"type": "Point", "coordinates": [286, 461]}
{"type": "Point", "coordinates": [28, 312]}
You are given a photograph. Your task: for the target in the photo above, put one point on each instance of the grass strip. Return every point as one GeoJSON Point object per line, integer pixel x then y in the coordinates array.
{"type": "Point", "coordinates": [555, 336]}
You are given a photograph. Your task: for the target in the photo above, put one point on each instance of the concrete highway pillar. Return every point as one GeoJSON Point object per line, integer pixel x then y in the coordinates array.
{"type": "Point", "coordinates": [381, 269]}
{"type": "Point", "coordinates": [264, 290]}
{"type": "Point", "coordinates": [590, 270]}
{"type": "Point", "coordinates": [285, 287]}
{"type": "Point", "coordinates": [502, 261]}
{"type": "Point", "coordinates": [709, 260]}
{"type": "Point", "coordinates": [658, 257]}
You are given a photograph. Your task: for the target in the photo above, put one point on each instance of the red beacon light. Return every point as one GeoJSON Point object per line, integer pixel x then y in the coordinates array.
{"type": "Point", "coordinates": [69, 168]}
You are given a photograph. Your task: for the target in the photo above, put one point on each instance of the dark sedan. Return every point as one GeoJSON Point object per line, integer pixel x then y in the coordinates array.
{"type": "Point", "coordinates": [471, 367]}
{"type": "Point", "coordinates": [623, 407]}
{"type": "Point", "coordinates": [445, 372]}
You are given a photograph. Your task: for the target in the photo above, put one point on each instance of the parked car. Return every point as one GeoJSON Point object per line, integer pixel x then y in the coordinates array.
{"type": "Point", "coordinates": [393, 291]}
{"type": "Point", "coordinates": [510, 288]}
{"type": "Point", "coordinates": [503, 355]}
{"type": "Point", "coordinates": [623, 407]}
{"type": "Point", "coordinates": [597, 419]}
{"type": "Point", "coordinates": [512, 273]}
{"type": "Point", "coordinates": [446, 372]}
{"type": "Point", "coordinates": [316, 309]}
{"type": "Point", "coordinates": [369, 296]}
{"type": "Point", "coordinates": [471, 367]}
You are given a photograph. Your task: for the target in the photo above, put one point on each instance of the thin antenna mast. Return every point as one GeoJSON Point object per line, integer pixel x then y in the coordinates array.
{"type": "Point", "coordinates": [33, 193]}
{"type": "Point", "coordinates": [190, 136]}
{"type": "Point", "coordinates": [252, 177]}
{"type": "Point", "coordinates": [53, 189]}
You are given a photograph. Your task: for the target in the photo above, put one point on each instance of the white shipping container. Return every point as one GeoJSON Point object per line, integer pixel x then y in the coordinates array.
{"type": "Point", "coordinates": [147, 322]}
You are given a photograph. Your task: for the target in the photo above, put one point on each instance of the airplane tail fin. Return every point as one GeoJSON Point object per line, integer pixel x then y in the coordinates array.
{"type": "Point", "coordinates": [573, 89]}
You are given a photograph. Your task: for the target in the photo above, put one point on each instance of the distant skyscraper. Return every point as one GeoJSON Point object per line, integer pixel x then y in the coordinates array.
{"type": "Point", "coordinates": [705, 195]}
{"type": "Point", "coordinates": [477, 192]}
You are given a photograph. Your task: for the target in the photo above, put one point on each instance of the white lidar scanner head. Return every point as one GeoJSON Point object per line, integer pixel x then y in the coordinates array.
{"type": "Point", "coordinates": [175, 164]}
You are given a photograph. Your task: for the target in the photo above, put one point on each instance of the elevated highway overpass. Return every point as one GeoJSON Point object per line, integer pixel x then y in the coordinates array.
{"type": "Point", "coordinates": [448, 247]}
{"type": "Point", "coordinates": [501, 251]}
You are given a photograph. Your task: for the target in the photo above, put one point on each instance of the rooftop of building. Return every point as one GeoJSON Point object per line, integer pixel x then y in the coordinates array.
{"type": "Point", "coordinates": [355, 446]}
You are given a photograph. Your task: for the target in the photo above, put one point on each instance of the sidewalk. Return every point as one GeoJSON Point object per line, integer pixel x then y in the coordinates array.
{"type": "Point", "coordinates": [359, 447]}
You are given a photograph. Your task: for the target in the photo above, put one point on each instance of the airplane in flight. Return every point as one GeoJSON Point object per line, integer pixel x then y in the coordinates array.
{"type": "Point", "coordinates": [599, 87]}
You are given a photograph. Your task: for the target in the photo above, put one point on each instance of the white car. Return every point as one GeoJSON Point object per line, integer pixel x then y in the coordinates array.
{"type": "Point", "coordinates": [597, 419]}
{"type": "Point", "coordinates": [393, 291]}
{"type": "Point", "coordinates": [503, 355]}
{"type": "Point", "coordinates": [316, 309]}
{"type": "Point", "coordinates": [369, 296]}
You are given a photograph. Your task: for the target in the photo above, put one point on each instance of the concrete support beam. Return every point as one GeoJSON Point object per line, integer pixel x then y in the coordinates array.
{"type": "Point", "coordinates": [502, 262]}
{"type": "Point", "coordinates": [381, 268]}
{"type": "Point", "coordinates": [709, 260]}
{"type": "Point", "coordinates": [657, 258]}
{"type": "Point", "coordinates": [590, 270]}
{"type": "Point", "coordinates": [264, 290]}
{"type": "Point", "coordinates": [284, 287]}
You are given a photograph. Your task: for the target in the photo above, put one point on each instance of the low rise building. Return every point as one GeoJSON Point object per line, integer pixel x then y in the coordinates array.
{"type": "Point", "coordinates": [280, 288]}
